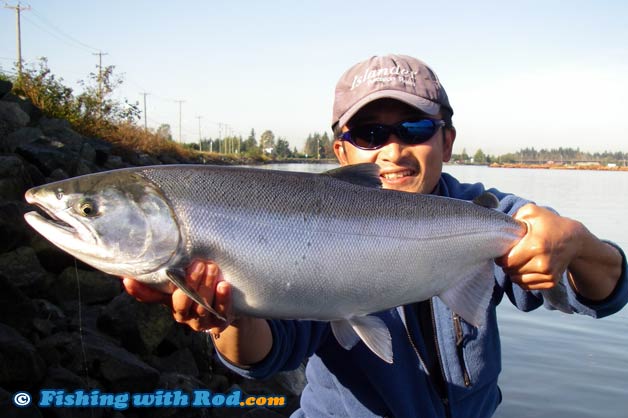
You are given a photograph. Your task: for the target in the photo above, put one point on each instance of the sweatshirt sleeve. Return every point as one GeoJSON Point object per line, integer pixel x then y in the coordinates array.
{"type": "Point", "coordinates": [293, 342]}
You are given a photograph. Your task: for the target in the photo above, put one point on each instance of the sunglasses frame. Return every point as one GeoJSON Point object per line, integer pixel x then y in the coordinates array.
{"type": "Point", "coordinates": [392, 129]}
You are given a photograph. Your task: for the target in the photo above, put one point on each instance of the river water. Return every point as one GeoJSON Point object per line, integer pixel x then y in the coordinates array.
{"type": "Point", "coordinates": [557, 365]}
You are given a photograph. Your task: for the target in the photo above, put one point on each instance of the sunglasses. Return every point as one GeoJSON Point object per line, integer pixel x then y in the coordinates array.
{"type": "Point", "coordinates": [373, 136]}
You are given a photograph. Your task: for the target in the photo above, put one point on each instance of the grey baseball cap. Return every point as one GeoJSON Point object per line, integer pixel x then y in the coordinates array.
{"type": "Point", "coordinates": [392, 76]}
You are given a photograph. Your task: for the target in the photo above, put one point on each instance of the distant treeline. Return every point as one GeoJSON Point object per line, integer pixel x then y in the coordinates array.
{"type": "Point", "coordinates": [543, 156]}
{"type": "Point", "coordinates": [317, 145]}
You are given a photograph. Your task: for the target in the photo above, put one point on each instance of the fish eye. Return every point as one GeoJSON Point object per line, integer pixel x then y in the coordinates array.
{"type": "Point", "coordinates": [88, 208]}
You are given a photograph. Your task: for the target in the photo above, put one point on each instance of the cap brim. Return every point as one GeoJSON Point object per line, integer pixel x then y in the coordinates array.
{"type": "Point", "coordinates": [425, 105]}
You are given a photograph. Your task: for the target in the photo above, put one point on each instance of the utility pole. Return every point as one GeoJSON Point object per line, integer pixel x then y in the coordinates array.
{"type": "Point", "coordinates": [145, 114]}
{"type": "Point", "coordinates": [200, 145]}
{"type": "Point", "coordinates": [100, 95]}
{"type": "Point", "coordinates": [220, 145]}
{"type": "Point", "coordinates": [18, 9]}
{"type": "Point", "coordinates": [180, 103]}
{"type": "Point", "coordinates": [318, 147]}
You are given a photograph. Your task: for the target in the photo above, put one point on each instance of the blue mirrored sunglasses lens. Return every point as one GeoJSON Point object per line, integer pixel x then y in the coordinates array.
{"type": "Point", "coordinates": [417, 131]}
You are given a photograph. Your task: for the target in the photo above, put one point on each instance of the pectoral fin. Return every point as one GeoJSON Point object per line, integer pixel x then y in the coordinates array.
{"type": "Point", "coordinates": [177, 277]}
{"type": "Point", "coordinates": [370, 329]}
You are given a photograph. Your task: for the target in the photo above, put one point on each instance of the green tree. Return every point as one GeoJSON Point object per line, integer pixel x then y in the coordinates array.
{"type": "Point", "coordinates": [325, 147]}
{"type": "Point", "coordinates": [479, 157]}
{"type": "Point", "coordinates": [250, 143]}
{"type": "Point", "coordinates": [267, 142]}
{"type": "Point", "coordinates": [282, 149]}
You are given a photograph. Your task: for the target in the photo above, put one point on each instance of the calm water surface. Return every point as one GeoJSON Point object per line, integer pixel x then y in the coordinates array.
{"type": "Point", "coordinates": [557, 365]}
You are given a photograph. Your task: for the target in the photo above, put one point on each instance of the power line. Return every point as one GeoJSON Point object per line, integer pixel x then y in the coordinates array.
{"type": "Point", "coordinates": [62, 33]}
{"type": "Point", "coordinates": [51, 33]}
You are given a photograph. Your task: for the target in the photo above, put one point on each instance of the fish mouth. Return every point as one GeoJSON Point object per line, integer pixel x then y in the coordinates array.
{"type": "Point", "coordinates": [49, 217]}
{"type": "Point", "coordinates": [50, 220]}
{"type": "Point", "coordinates": [52, 226]}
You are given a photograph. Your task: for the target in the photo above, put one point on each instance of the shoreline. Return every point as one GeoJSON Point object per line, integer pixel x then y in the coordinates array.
{"type": "Point", "coordinates": [591, 167]}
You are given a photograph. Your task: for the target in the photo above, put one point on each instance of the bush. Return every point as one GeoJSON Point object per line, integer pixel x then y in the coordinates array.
{"type": "Point", "coordinates": [93, 112]}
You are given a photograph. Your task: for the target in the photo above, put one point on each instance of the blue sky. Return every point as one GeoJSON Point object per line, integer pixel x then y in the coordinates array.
{"type": "Point", "coordinates": [518, 74]}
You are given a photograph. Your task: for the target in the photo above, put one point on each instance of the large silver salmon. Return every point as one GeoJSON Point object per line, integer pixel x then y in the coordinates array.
{"type": "Point", "coordinates": [332, 247]}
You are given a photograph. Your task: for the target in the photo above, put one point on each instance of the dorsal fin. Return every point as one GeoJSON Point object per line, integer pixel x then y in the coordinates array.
{"type": "Point", "coordinates": [365, 174]}
{"type": "Point", "coordinates": [487, 200]}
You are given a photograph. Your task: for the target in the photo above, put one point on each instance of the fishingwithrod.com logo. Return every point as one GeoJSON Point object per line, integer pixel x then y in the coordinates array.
{"type": "Point", "coordinates": [59, 398]}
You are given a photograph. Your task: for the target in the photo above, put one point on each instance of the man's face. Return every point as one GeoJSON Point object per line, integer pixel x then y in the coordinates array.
{"type": "Point", "coordinates": [408, 168]}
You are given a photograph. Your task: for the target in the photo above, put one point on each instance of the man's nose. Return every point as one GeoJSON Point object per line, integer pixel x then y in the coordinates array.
{"type": "Point", "coordinates": [392, 150]}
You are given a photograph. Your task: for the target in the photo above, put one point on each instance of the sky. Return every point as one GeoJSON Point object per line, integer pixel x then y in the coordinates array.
{"type": "Point", "coordinates": [530, 73]}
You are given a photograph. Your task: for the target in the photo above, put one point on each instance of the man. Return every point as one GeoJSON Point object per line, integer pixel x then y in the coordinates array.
{"type": "Point", "coordinates": [393, 111]}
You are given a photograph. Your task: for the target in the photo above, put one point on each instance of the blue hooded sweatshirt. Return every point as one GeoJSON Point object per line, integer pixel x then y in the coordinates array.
{"type": "Point", "coordinates": [443, 367]}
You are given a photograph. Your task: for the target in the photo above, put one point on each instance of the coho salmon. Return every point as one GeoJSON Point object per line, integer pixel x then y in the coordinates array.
{"type": "Point", "coordinates": [329, 247]}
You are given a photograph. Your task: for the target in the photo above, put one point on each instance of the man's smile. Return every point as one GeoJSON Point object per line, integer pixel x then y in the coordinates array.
{"type": "Point", "coordinates": [395, 175]}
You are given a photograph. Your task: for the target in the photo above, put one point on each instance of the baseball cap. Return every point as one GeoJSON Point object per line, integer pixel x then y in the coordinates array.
{"type": "Point", "coordinates": [393, 76]}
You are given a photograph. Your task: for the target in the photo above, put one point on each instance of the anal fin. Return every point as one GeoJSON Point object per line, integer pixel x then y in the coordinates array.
{"type": "Point", "coordinates": [370, 329]}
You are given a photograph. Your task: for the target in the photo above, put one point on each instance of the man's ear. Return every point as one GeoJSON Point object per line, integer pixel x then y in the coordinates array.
{"type": "Point", "coordinates": [339, 150]}
{"type": "Point", "coordinates": [449, 136]}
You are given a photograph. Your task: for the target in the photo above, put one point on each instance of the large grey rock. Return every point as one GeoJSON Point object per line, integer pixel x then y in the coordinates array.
{"type": "Point", "coordinates": [13, 230]}
{"type": "Point", "coordinates": [59, 377]}
{"type": "Point", "coordinates": [181, 362]}
{"type": "Point", "coordinates": [5, 88]}
{"type": "Point", "coordinates": [21, 367]}
{"type": "Point", "coordinates": [16, 309]}
{"type": "Point", "coordinates": [21, 136]}
{"type": "Point", "coordinates": [22, 267]}
{"type": "Point", "coordinates": [92, 355]}
{"type": "Point", "coordinates": [33, 112]}
{"type": "Point", "coordinates": [45, 156]}
{"type": "Point", "coordinates": [92, 150]}
{"type": "Point", "coordinates": [92, 286]}
{"type": "Point", "coordinates": [50, 125]}
{"type": "Point", "coordinates": [140, 327]}
{"type": "Point", "coordinates": [14, 178]}
{"type": "Point", "coordinates": [12, 117]}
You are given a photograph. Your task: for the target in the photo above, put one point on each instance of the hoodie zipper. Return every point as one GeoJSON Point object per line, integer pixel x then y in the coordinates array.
{"type": "Point", "coordinates": [444, 397]}
{"type": "Point", "coordinates": [460, 350]}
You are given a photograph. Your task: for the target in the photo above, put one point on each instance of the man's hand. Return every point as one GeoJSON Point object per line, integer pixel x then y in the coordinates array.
{"type": "Point", "coordinates": [206, 279]}
{"type": "Point", "coordinates": [540, 258]}
{"type": "Point", "coordinates": [554, 244]}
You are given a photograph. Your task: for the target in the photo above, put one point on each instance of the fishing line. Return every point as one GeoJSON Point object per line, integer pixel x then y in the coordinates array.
{"type": "Point", "coordinates": [80, 325]}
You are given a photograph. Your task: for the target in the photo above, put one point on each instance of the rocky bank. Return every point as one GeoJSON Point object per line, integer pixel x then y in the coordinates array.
{"type": "Point", "coordinates": [64, 325]}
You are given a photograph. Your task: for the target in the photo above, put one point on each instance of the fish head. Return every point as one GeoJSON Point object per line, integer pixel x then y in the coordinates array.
{"type": "Point", "coordinates": [116, 221]}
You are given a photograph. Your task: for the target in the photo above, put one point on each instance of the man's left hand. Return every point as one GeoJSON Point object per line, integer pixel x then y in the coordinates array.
{"type": "Point", "coordinates": [540, 258]}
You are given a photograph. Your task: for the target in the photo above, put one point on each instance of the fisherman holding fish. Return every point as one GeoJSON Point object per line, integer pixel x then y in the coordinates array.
{"type": "Point", "coordinates": [393, 111]}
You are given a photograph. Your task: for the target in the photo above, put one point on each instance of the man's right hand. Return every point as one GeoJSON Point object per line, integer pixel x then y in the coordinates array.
{"type": "Point", "coordinates": [206, 279]}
